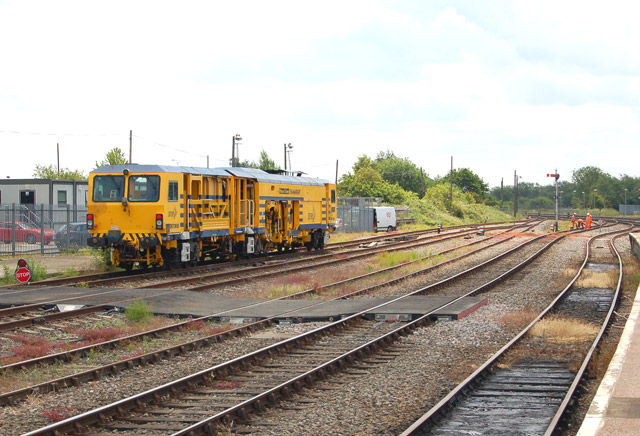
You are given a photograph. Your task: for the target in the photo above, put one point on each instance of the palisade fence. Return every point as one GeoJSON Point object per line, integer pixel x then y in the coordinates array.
{"type": "Point", "coordinates": [355, 214]}
{"type": "Point", "coordinates": [27, 229]}
{"type": "Point", "coordinates": [629, 209]}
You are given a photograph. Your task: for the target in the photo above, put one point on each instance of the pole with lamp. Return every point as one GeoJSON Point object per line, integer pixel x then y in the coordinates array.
{"type": "Point", "coordinates": [625, 201]}
{"type": "Point", "coordinates": [289, 147]}
{"type": "Point", "coordinates": [594, 199]}
{"type": "Point", "coordinates": [584, 201]}
{"type": "Point", "coordinates": [235, 150]}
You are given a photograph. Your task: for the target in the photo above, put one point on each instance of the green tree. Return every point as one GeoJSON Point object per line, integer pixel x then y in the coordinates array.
{"type": "Point", "coordinates": [266, 163]}
{"type": "Point", "coordinates": [115, 156]}
{"type": "Point", "coordinates": [367, 182]}
{"type": "Point", "coordinates": [468, 181]}
{"type": "Point", "coordinates": [51, 172]}
{"type": "Point", "coordinates": [362, 162]}
{"type": "Point", "coordinates": [587, 178]}
{"type": "Point", "coordinates": [401, 171]}
{"type": "Point", "coordinates": [243, 164]}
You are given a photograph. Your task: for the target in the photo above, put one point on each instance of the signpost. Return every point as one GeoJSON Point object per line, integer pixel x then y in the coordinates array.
{"type": "Point", "coordinates": [556, 176]}
{"type": "Point", "coordinates": [23, 273]}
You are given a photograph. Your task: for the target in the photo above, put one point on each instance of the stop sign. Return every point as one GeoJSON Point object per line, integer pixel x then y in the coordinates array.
{"type": "Point", "coordinates": [23, 273]}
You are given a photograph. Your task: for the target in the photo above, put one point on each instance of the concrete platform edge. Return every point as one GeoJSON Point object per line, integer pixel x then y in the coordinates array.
{"type": "Point", "coordinates": [595, 418]}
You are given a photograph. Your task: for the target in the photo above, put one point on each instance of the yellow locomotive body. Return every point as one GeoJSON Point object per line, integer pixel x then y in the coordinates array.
{"type": "Point", "coordinates": [164, 215]}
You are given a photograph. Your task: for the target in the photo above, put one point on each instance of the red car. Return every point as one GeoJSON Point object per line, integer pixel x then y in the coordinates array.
{"type": "Point", "coordinates": [25, 232]}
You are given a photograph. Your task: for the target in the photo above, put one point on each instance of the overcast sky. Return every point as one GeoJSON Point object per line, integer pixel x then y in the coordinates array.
{"type": "Point", "coordinates": [499, 85]}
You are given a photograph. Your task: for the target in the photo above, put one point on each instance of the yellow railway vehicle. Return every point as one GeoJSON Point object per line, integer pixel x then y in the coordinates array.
{"type": "Point", "coordinates": [164, 215]}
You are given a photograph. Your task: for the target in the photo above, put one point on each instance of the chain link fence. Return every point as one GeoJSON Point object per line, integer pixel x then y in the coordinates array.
{"type": "Point", "coordinates": [44, 229]}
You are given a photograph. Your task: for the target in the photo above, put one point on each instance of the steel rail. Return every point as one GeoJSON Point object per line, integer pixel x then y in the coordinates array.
{"type": "Point", "coordinates": [122, 407]}
{"type": "Point", "coordinates": [422, 425]}
{"type": "Point", "coordinates": [115, 276]}
{"type": "Point", "coordinates": [79, 312]}
{"type": "Point", "coordinates": [240, 411]}
{"type": "Point", "coordinates": [152, 357]}
{"type": "Point", "coordinates": [583, 368]}
{"type": "Point", "coordinates": [42, 319]}
{"type": "Point", "coordinates": [332, 259]}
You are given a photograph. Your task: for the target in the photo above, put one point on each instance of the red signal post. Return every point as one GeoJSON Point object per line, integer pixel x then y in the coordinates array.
{"type": "Point", "coordinates": [555, 176]}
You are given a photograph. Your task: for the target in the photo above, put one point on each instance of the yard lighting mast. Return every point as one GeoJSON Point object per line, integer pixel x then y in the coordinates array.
{"type": "Point", "coordinates": [287, 146]}
{"type": "Point", "coordinates": [594, 199]}
{"type": "Point", "coordinates": [235, 150]}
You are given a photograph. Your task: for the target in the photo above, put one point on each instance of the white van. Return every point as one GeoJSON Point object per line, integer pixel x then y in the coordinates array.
{"type": "Point", "coordinates": [384, 218]}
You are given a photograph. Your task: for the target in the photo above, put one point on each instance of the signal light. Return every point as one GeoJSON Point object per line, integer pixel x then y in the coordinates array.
{"type": "Point", "coordinates": [159, 221]}
{"type": "Point", "coordinates": [22, 263]}
{"type": "Point", "coordinates": [90, 221]}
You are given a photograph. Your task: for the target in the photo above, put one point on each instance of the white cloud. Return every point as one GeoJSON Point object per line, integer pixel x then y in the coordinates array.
{"type": "Point", "coordinates": [514, 85]}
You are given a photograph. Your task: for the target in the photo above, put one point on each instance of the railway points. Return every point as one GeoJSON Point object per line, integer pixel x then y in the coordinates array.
{"type": "Point", "coordinates": [615, 409]}
{"type": "Point", "coordinates": [387, 316]}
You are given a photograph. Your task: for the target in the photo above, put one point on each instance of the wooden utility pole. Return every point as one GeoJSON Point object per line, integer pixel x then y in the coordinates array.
{"type": "Point", "coordinates": [451, 181]}
{"type": "Point", "coordinates": [58, 145]}
{"type": "Point", "coordinates": [515, 193]}
{"type": "Point", "coordinates": [130, 145]}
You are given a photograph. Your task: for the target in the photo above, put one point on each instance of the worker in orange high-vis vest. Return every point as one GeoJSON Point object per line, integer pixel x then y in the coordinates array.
{"type": "Point", "coordinates": [588, 224]}
{"type": "Point", "coordinates": [573, 221]}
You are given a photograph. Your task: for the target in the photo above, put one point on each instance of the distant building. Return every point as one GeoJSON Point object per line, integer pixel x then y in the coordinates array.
{"type": "Point", "coordinates": [32, 192]}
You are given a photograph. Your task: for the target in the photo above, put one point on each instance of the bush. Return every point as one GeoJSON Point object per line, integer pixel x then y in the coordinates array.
{"type": "Point", "coordinates": [102, 259]}
{"type": "Point", "coordinates": [137, 311]}
{"type": "Point", "coordinates": [38, 272]}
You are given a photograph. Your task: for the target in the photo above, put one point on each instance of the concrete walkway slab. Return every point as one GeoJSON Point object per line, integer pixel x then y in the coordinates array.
{"type": "Point", "coordinates": [195, 304]}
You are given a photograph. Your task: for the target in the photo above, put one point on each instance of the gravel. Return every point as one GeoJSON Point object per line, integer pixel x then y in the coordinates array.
{"type": "Point", "coordinates": [384, 400]}
{"type": "Point", "coordinates": [392, 396]}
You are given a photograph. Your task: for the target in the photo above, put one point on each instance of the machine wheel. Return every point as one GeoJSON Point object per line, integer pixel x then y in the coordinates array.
{"type": "Point", "coordinates": [318, 240]}
{"type": "Point", "coordinates": [389, 229]}
{"type": "Point", "coordinates": [31, 239]}
{"type": "Point", "coordinates": [128, 266]}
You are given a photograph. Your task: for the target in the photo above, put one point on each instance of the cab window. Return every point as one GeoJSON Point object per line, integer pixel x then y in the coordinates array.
{"type": "Point", "coordinates": [144, 188]}
{"type": "Point", "coordinates": [108, 188]}
{"type": "Point", "coordinates": [173, 190]}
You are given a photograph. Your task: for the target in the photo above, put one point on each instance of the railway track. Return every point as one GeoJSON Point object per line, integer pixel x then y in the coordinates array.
{"type": "Point", "coordinates": [109, 278]}
{"type": "Point", "coordinates": [530, 396]}
{"type": "Point", "coordinates": [115, 368]}
{"type": "Point", "coordinates": [156, 399]}
{"type": "Point", "coordinates": [213, 280]}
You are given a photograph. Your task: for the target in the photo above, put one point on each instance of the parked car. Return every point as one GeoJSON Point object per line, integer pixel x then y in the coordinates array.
{"type": "Point", "coordinates": [76, 236]}
{"type": "Point", "coordinates": [25, 232]}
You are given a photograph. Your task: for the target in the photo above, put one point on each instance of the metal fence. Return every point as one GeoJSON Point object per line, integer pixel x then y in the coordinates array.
{"type": "Point", "coordinates": [629, 209]}
{"type": "Point", "coordinates": [31, 229]}
{"type": "Point", "coordinates": [354, 219]}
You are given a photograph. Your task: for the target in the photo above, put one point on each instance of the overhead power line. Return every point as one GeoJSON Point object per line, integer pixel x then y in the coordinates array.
{"type": "Point", "coordinates": [60, 134]}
